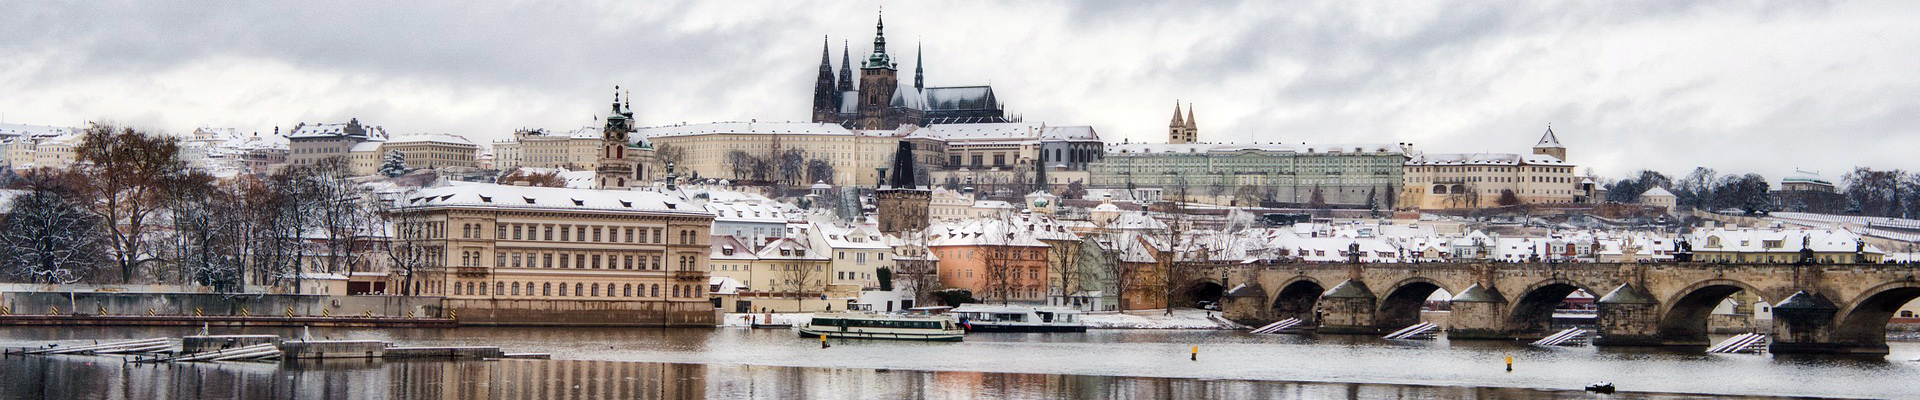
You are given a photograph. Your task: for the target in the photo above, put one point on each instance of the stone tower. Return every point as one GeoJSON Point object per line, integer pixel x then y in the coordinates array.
{"type": "Point", "coordinates": [616, 170]}
{"type": "Point", "coordinates": [902, 205]}
{"type": "Point", "coordinates": [878, 80]}
{"type": "Point", "coordinates": [1182, 131]}
{"type": "Point", "coordinates": [1550, 145]}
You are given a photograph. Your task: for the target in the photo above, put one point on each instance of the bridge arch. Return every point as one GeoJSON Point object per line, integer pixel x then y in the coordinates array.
{"type": "Point", "coordinates": [1203, 289]}
{"type": "Point", "coordinates": [1687, 310]}
{"type": "Point", "coordinates": [1532, 312]}
{"type": "Point", "coordinates": [1863, 322]}
{"type": "Point", "coordinates": [1299, 298]}
{"type": "Point", "coordinates": [1401, 306]}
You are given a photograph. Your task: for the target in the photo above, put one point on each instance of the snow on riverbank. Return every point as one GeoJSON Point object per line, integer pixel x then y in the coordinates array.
{"type": "Point", "coordinates": [746, 320]}
{"type": "Point", "coordinates": [1139, 319]}
{"type": "Point", "coordinates": [1158, 319]}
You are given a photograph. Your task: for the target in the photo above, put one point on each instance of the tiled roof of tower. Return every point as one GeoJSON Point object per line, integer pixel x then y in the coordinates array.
{"type": "Point", "coordinates": [1548, 140]}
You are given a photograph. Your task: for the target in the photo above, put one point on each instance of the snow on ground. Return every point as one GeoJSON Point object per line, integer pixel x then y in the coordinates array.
{"type": "Point", "coordinates": [1138, 319]}
{"type": "Point", "coordinates": [746, 320]}
{"type": "Point", "coordinates": [1158, 319]}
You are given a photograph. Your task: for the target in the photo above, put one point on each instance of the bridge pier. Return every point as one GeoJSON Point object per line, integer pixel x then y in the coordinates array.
{"type": "Point", "coordinates": [1479, 312]}
{"type": "Point", "coordinates": [1348, 308]}
{"type": "Point", "coordinates": [1803, 324]}
{"type": "Point", "coordinates": [1628, 316]}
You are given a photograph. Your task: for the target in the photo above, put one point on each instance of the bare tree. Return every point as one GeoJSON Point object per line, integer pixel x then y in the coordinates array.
{"type": "Point", "coordinates": [820, 171]}
{"type": "Point", "coordinates": [800, 280]}
{"type": "Point", "coordinates": [666, 154]}
{"type": "Point", "coordinates": [125, 173]}
{"type": "Point", "coordinates": [739, 163]}
{"type": "Point", "coordinates": [279, 219]}
{"type": "Point", "coordinates": [48, 238]}
{"type": "Point", "coordinates": [407, 250]}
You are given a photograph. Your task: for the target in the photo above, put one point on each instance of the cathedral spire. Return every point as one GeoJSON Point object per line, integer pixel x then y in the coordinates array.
{"type": "Point", "coordinates": [826, 98]}
{"type": "Point", "coordinates": [879, 58]}
{"type": "Point", "coordinates": [919, 71]}
{"type": "Point", "coordinates": [846, 66]}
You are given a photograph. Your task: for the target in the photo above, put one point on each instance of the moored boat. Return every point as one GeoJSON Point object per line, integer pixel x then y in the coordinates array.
{"type": "Point", "coordinates": [882, 326]}
{"type": "Point", "coordinates": [975, 318]}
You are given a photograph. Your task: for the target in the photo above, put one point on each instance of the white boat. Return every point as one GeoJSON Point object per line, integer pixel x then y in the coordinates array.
{"type": "Point", "coordinates": [977, 318]}
{"type": "Point", "coordinates": [882, 326]}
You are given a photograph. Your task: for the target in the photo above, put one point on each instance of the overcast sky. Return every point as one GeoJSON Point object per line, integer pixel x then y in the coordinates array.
{"type": "Point", "coordinates": [1738, 86]}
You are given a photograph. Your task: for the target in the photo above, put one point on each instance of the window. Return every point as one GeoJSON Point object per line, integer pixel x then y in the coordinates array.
{"type": "Point", "coordinates": [564, 234]}
{"type": "Point", "coordinates": [501, 232]}
{"type": "Point", "coordinates": [563, 260]}
{"type": "Point", "coordinates": [627, 261]}
{"type": "Point", "coordinates": [595, 290]}
{"type": "Point", "coordinates": [516, 288]}
{"type": "Point", "coordinates": [516, 232]}
{"type": "Point", "coordinates": [629, 235]}
{"type": "Point", "coordinates": [580, 233]}
{"type": "Point", "coordinates": [579, 261]}
{"type": "Point", "coordinates": [625, 290]}
{"type": "Point", "coordinates": [659, 235]}
{"type": "Point", "coordinates": [546, 260]}
{"type": "Point", "coordinates": [596, 234]}
{"type": "Point", "coordinates": [576, 289]}
{"type": "Point", "coordinates": [563, 290]}
{"type": "Point", "coordinates": [546, 289]}
{"type": "Point", "coordinates": [656, 290]}
{"type": "Point", "coordinates": [549, 233]}
{"type": "Point", "coordinates": [596, 261]}
{"type": "Point", "coordinates": [643, 235]}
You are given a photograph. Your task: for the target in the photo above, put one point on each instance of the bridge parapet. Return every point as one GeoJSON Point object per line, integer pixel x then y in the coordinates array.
{"type": "Point", "coordinates": [1640, 303]}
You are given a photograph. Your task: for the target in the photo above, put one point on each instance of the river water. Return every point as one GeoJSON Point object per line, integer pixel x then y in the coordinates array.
{"type": "Point", "coordinates": [735, 363]}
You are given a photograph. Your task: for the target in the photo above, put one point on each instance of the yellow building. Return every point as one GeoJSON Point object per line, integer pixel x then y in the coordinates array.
{"type": "Point", "coordinates": [577, 150]}
{"type": "Point", "coordinates": [854, 155]}
{"type": "Point", "coordinates": [554, 256]}
{"type": "Point", "coordinates": [433, 151]}
{"type": "Point", "coordinates": [1481, 180]}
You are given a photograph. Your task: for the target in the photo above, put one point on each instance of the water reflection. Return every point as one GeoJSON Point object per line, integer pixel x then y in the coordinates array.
{"type": "Point", "coordinates": [112, 378]}
{"type": "Point", "coordinates": [1015, 365]}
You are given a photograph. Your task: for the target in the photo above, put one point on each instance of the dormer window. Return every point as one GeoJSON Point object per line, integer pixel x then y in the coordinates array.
{"type": "Point", "coordinates": [577, 202]}
{"type": "Point", "coordinates": [486, 199]}
{"type": "Point", "coordinates": [627, 204]}
{"type": "Point", "coordinates": [528, 199]}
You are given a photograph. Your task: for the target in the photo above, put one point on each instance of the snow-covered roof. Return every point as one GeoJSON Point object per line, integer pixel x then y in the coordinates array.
{"type": "Point", "coordinates": [432, 138]}
{"type": "Point", "coordinates": [35, 130]}
{"type": "Point", "coordinates": [533, 197]}
{"type": "Point", "coordinates": [1656, 191]}
{"type": "Point", "coordinates": [1787, 240]}
{"type": "Point", "coordinates": [1548, 141]}
{"type": "Point", "coordinates": [348, 129]}
{"type": "Point", "coordinates": [847, 236]}
{"type": "Point", "coordinates": [1799, 176]}
{"type": "Point", "coordinates": [1197, 148]}
{"type": "Point", "coordinates": [783, 128]}
{"type": "Point", "coordinates": [1012, 131]}
{"type": "Point", "coordinates": [1445, 159]}
{"type": "Point", "coordinates": [365, 147]}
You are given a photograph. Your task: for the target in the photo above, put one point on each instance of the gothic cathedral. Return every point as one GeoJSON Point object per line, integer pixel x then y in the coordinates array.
{"type": "Point", "coordinates": [881, 102]}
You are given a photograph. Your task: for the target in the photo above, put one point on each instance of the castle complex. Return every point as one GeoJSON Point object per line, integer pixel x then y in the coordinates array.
{"type": "Point", "coordinates": [880, 101]}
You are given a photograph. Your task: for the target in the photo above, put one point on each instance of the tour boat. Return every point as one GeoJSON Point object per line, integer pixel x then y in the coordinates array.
{"type": "Point", "coordinates": [1018, 319]}
{"type": "Point", "coordinates": [882, 326]}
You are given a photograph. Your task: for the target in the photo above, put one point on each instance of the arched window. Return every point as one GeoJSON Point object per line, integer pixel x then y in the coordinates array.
{"type": "Point", "coordinates": [656, 290]}
{"type": "Point", "coordinates": [546, 289]}
{"type": "Point", "coordinates": [596, 290]}
{"type": "Point", "coordinates": [577, 291]}
{"type": "Point", "coordinates": [626, 290]}
{"type": "Point", "coordinates": [516, 288]}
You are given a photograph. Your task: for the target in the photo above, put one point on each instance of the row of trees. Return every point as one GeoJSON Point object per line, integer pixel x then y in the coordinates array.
{"type": "Point", "coordinates": [1703, 189]}
{"type": "Point", "coordinates": [130, 212]}
{"type": "Point", "coordinates": [1865, 191]}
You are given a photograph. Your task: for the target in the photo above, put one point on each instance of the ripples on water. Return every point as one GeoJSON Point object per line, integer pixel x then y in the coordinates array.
{"type": "Point", "coordinates": [1100, 364]}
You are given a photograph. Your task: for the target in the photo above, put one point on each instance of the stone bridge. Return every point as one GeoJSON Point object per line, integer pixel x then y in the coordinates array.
{"type": "Point", "coordinates": [1817, 308]}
